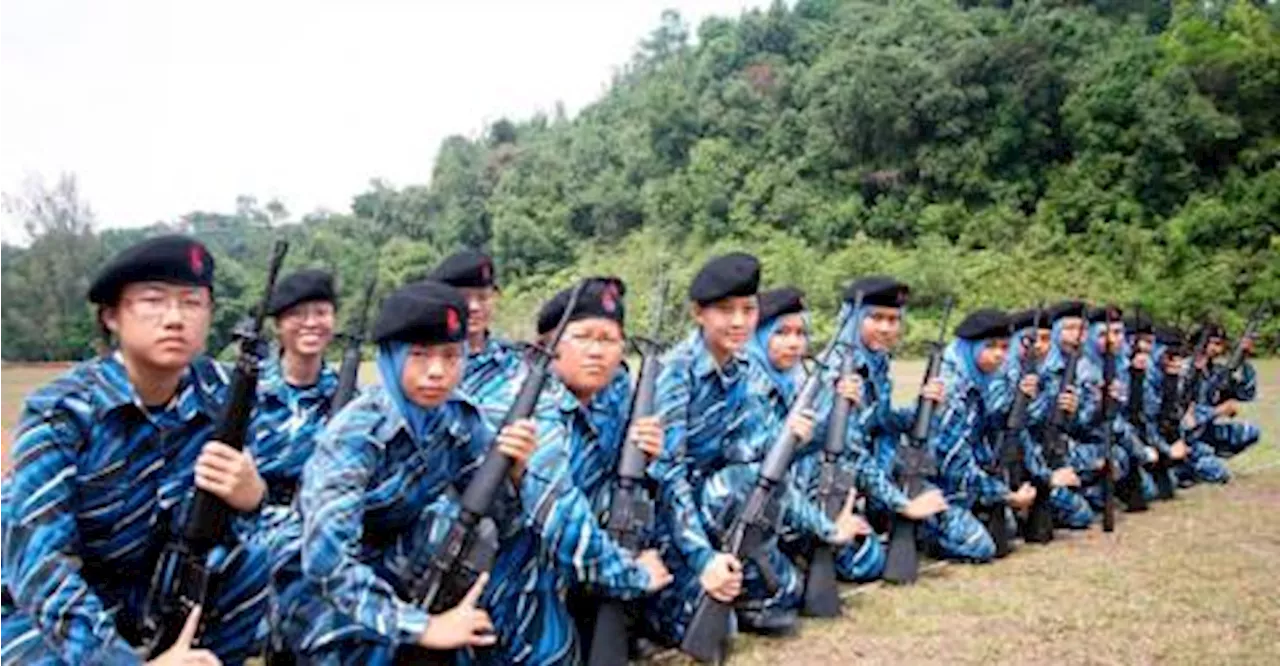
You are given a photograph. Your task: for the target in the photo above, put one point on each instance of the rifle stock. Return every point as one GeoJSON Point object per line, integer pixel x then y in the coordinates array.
{"type": "Point", "coordinates": [181, 579]}
{"type": "Point", "coordinates": [1108, 467]}
{"type": "Point", "coordinates": [821, 595]}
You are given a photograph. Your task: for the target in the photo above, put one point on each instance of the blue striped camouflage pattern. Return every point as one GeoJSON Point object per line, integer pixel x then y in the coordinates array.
{"type": "Point", "coordinates": [286, 423]}
{"type": "Point", "coordinates": [98, 482]}
{"type": "Point", "coordinates": [492, 378]}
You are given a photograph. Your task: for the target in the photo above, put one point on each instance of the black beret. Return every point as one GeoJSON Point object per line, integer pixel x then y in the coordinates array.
{"type": "Point", "coordinates": [304, 286]}
{"type": "Point", "coordinates": [170, 258]}
{"type": "Point", "coordinates": [467, 268]}
{"type": "Point", "coordinates": [880, 290]}
{"type": "Point", "coordinates": [1139, 323]}
{"type": "Point", "coordinates": [1027, 318]}
{"type": "Point", "coordinates": [600, 297]}
{"type": "Point", "coordinates": [425, 312]}
{"type": "Point", "coordinates": [780, 301]}
{"type": "Point", "coordinates": [1066, 309]}
{"type": "Point", "coordinates": [1104, 313]}
{"type": "Point", "coordinates": [733, 274]}
{"type": "Point", "coordinates": [984, 324]}
{"type": "Point", "coordinates": [1210, 330]}
{"type": "Point", "coordinates": [1169, 337]}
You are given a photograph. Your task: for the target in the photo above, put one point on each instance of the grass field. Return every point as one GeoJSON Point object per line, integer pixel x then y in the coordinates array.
{"type": "Point", "coordinates": [1190, 582]}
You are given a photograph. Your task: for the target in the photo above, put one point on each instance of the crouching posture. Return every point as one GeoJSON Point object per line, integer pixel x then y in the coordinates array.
{"type": "Point", "coordinates": [876, 328]}
{"type": "Point", "coordinates": [1167, 403]}
{"type": "Point", "coordinates": [106, 459]}
{"type": "Point", "coordinates": [969, 467]}
{"type": "Point", "coordinates": [590, 402]}
{"type": "Point", "coordinates": [715, 437]}
{"type": "Point", "coordinates": [1216, 400]}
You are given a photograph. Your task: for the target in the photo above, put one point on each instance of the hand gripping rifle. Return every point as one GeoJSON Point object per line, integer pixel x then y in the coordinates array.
{"type": "Point", "coordinates": [915, 463]}
{"type": "Point", "coordinates": [631, 508]}
{"type": "Point", "coordinates": [1108, 432]}
{"type": "Point", "coordinates": [467, 549]}
{"type": "Point", "coordinates": [1012, 464]}
{"type": "Point", "coordinates": [349, 371]}
{"type": "Point", "coordinates": [755, 524]}
{"type": "Point", "coordinates": [1057, 443]}
{"type": "Point", "coordinates": [181, 579]}
{"type": "Point", "coordinates": [835, 481]}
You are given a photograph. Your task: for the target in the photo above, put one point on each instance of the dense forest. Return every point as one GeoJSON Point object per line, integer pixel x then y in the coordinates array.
{"type": "Point", "coordinates": [1003, 152]}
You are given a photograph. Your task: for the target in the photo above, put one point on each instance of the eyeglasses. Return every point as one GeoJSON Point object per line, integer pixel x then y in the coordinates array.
{"type": "Point", "coordinates": [585, 341]}
{"type": "Point", "coordinates": [155, 306]}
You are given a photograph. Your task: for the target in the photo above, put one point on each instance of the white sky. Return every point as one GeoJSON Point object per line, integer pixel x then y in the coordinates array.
{"type": "Point", "coordinates": [163, 107]}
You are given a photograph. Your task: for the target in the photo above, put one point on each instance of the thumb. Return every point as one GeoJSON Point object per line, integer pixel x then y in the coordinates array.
{"type": "Point", "coordinates": [188, 635]}
{"type": "Point", "coordinates": [848, 501]}
{"type": "Point", "coordinates": [473, 595]}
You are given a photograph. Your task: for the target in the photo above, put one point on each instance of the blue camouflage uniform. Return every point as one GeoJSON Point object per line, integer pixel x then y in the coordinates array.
{"type": "Point", "coordinates": [1127, 448]}
{"type": "Point", "coordinates": [287, 421]}
{"type": "Point", "coordinates": [1070, 508]}
{"type": "Point", "coordinates": [493, 375]}
{"type": "Point", "coordinates": [955, 532]}
{"type": "Point", "coordinates": [1228, 438]}
{"type": "Point", "coordinates": [99, 483]}
{"type": "Point", "coordinates": [863, 560]}
{"type": "Point", "coordinates": [375, 504]}
{"type": "Point", "coordinates": [715, 436]}
{"type": "Point", "coordinates": [1201, 464]}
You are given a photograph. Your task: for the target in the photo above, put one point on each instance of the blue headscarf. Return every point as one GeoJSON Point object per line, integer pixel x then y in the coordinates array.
{"type": "Point", "coordinates": [960, 360]}
{"type": "Point", "coordinates": [390, 361]}
{"type": "Point", "coordinates": [789, 380]}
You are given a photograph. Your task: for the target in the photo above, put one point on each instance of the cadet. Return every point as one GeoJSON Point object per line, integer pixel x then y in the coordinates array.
{"type": "Point", "coordinates": [1231, 437]}
{"type": "Point", "coordinates": [875, 330]}
{"type": "Point", "coordinates": [494, 366]}
{"type": "Point", "coordinates": [1192, 461]}
{"type": "Point", "coordinates": [778, 346]}
{"type": "Point", "coordinates": [960, 439]}
{"type": "Point", "coordinates": [590, 403]}
{"type": "Point", "coordinates": [104, 459]}
{"type": "Point", "coordinates": [295, 389]}
{"type": "Point", "coordinates": [714, 436]}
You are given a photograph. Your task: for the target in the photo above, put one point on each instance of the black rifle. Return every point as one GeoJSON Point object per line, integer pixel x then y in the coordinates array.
{"type": "Point", "coordinates": [835, 481]}
{"type": "Point", "coordinates": [1129, 489]}
{"type": "Point", "coordinates": [1056, 440]}
{"type": "Point", "coordinates": [1220, 378]}
{"type": "Point", "coordinates": [1012, 463]}
{"type": "Point", "coordinates": [1109, 463]}
{"type": "Point", "coordinates": [181, 579]}
{"type": "Point", "coordinates": [466, 551]}
{"type": "Point", "coordinates": [1161, 470]}
{"type": "Point", "coordinates": [631, 509]}
{"type": "Point", "coordinates": [756, 523]}
{"type": "Point", "coordinates": [914, 464]}
{"type": "Point", "coordinates": [349, 371]}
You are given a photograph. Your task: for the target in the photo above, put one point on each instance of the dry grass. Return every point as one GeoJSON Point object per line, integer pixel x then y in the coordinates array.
{"type": "Point", "coordinates": [1190, 582]}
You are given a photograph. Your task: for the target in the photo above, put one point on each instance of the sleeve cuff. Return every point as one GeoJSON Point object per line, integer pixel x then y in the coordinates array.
{"type": "Point", "coordinates": [411, 623]}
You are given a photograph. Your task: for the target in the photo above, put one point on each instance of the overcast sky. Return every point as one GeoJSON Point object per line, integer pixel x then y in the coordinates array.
{"type": "Point", "coordinates": [162, 107]}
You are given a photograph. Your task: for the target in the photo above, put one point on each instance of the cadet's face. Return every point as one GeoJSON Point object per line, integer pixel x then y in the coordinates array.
{"type": "Point", "coordinates": [1111, 337]}
{"type": "Point", "coordinates": [481, 302]}
{"type": "Point", "coordinates": [161, 325]}
{"type": "Point", "coordinates": [589, 354]}
{"type": "Point", "coordinates": [1044, 338]}
{"type": "Point", "coordinates": [1072, 330]}
{"type": "Point", "coordinates": [1172, 363]}
{"type": "Point", "coordinates": [881, 328]}
{"type": "Point", "coordinates": [306, 328]}
{"type": "Point", "coordinates": [788, 343]}
{"type": "Point", "coordinates": [992, 355]}
{"type": "Point", "coordinates": [431, 372]}
{"type": "Point", "coordinates": [1215, 347]}
{"type": "Point", "coordinates": [1144, 342]}
{"type": "Point", "coordinates": [727, 323]}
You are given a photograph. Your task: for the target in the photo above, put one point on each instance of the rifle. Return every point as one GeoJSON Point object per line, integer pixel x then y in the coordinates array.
{"type": "Point", "coordinates": [915, 463]}
{"type": "Point", "coordinates": [821, 596]}
{"type": "Point", "coordinates": [752, 527]}
{"type": "Point", "coordinates": [1221, 375]}
{"type": "Point", "coordinates": [466, 551]}
{"type": "Point", "coordinates": [1108, 465]}
{"type": "Point", "coordinates": [1056, 440]}
{"type": "Point", "coordinates": [631, 508]}
{"type": "Point", "coordinates": [349, 371]}
{"type": "Point", "coordinates": [1013, 466]}
{"type": "Point", "coordinates": [1130, 487]}
{"type": "Point", "coordinates": [181, 578]}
